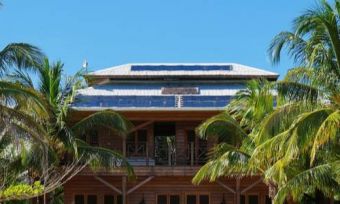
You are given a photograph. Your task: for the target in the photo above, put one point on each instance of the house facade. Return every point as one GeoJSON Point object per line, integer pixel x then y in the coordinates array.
{"type": "Point", "coordinates": [165, 102]}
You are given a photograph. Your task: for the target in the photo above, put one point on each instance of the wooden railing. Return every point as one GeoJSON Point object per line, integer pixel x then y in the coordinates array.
{"type": "Point", "coordinates": [196, 154]}
{"type": "Point", "coordinates": [165, 154]}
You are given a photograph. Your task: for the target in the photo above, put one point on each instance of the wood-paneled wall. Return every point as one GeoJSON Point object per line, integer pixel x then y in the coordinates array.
{"type": "Point", "coordinates": [88, 185]}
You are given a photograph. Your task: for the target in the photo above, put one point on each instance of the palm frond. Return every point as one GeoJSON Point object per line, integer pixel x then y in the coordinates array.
{"type": "Point", "coordinates": [294, 91]}
{"type": "Point", "coordinates": [295, 46]}
{"type": "Point", "coordinates": [105, 118]}
{"type": "Point", "coordinates": [224, 127]}
{"type": "Point", "coordinates": [321, 177]}
{"type": "Point", "coordinates": [328, 130]}
{"type": "Point", "coordinates": [227, 161]}
{"type": "Point", "coordinates": [49, 80]}
{"type": "Point", "coordinates": [11, 90]}
{"type": "Point", "coordinates": [102, 157]}
{"type": "Point", "coordinates": [21, 77]}
{"type": "Point", "coordinates": [21, 55]}
{"type": "Point", "coordinates": [279, 121]}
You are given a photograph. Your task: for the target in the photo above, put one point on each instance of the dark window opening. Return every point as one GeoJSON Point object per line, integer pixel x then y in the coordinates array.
{"type": "Point", "coordinates": [119, 199]}
{"type": "Point", "coordinates": [136, 144]}
{"type": "Point", "coordinates": [91, 199]}
{"type": "Point", "coordinates": [142, 135]}
{"type": "Point", "coordinates": [109, 199]}
{"type": "Point", "coordinates": [191, 199]}
{"type": "Point", "coordinates": [268, 200]}
{"type": "Point", "coordinates": [191, 136]}
{"type": "Point", "coordinates": [161, 199]}
{"type": "Point", "coordinates": [165, 146]}
{"type": "Point", "coordinates": [204, 199]}
{"type": "Point", "coordinates": [253, 199]}
{"type": "Point", "coordinates": [79, 199]}
{"type": "Point", "coordinates": [242, 199]}
{"type": "Point", "coordinates": [197, 149]}
{"type": "Point", "coordinates": [174, 199]}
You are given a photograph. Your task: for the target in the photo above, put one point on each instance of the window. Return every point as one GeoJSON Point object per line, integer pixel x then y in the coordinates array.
{"type": "Point", "coordinates": [79, 199]}
{"type": "Point", "coordinates": [161, 199]}
{"type": "Point", "coordinates": [109, 199]}
{"type": "Point", "coordinates": [136, 143]}
{"type": "Point", "coordinates": [197, 199]}
{"type": "Point", "coordinates": [197, 149]}
{"type": "Point", "coordinates": [268, 200]}
{"type": "Point", "coordinates": [165, 143]}
{"type": "Point", "coordinates": [204, 199]}
{"type": "Point", "coordinates": [175, 199]}
{"type": "Point", "coordinates": [249, 199]}
{"type": "Point", "coordinates": [191, 199]}
{"type": "Point", "coordinates": [119, 199]}
{"type": "Point", "coordinates": [91, 199]}
{"type": "Point", "coordinates": [253, 199]}
{"type": "Point", "coordinates": [168, 199]}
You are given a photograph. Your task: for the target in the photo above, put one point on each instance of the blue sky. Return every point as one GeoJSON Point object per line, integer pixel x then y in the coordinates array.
{"type": "Point", "coordinates": [112, 32]}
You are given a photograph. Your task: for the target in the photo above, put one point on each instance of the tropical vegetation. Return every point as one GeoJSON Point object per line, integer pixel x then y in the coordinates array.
{"type": "Point", "coordinates": [293, 145]}
{"type": "Point", "coordinates": [40, 148]}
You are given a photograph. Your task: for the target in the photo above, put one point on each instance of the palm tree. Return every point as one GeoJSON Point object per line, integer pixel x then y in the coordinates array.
{"type": "Point", "coordinates": [312, 139]}
{"type": "Point", "coordinates": [236, 129]}
{"type": "Point", "coordinates": [315, 39]}
{"type": "Point", "coordinates": [39, 116]}
{"type": "Point", "coordinates": [20, 55]}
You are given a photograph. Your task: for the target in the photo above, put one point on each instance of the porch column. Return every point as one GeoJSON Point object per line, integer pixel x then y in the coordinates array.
{"type": "Point", "coordinates": [238, 191]}
{"type": "Point", "coordinates": [124, 200]}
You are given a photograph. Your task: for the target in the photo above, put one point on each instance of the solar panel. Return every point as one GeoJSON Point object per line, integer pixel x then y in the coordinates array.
{"type": "Point", "coordinates": [125, 101]}
{"type": "Point", "coordinates": [205, 101]}
{"type": "Point", "coordinates": [181, 67]}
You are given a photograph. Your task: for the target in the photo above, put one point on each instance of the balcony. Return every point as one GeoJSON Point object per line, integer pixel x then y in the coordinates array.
{"type": "Point", "coordinates": [157, 144]}
{"type": "Point", "coordinates": [165, 154]}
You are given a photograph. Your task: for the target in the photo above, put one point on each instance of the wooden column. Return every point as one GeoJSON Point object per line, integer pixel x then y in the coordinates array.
{"type": "Point", "coordinates": [238, 191]}
{"type": "Point", "coordinates": [124, 198]}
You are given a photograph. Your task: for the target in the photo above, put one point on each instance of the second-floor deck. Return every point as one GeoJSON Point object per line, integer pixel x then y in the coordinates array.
{"type": "Point", "coordinates": [153, 144]}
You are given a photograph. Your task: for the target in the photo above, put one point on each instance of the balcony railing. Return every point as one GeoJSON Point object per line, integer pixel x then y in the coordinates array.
{"type": "Point", "coordinates": [196, 155]}
{"type": "Point", "coordinates": [164, 154]}
{"type": "Point", "coordinates": [139, 149]}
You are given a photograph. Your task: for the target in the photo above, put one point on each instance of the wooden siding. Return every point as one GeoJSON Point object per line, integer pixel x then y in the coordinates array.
{"type": "Point", "coordinates": [165, 179]}
{"type": "Point", "coordinates": [153, 115]}
{"type": "Point", "coordinates": [180, 185]}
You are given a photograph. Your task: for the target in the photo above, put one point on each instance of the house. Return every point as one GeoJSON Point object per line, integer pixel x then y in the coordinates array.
{"type": "Point", "coordinates": [166, 102]}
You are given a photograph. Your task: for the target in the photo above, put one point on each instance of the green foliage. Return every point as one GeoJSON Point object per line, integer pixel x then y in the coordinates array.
{"type": "Point", "coordinates": [21, 190]}
{"type": "Point", "coordinates": [35, 119]}
{"type": "Point", "coordinates": [295, 145]}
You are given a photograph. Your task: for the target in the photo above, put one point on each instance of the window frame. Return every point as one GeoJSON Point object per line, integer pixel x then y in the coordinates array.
{"type": "Point", "coordinates": [179, 194]}
{"type": "Point", "coordinates": [197, 194]}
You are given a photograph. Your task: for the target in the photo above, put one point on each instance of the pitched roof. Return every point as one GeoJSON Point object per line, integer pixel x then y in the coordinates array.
{"type": "Point", "coordinates": [187, 70]}
{"type": "Point", "coordinates": [195, 86]}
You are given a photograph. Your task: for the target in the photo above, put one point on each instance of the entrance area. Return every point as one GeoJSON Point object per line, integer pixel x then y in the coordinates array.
{"type": "Point", "coordinates": [165, 144]}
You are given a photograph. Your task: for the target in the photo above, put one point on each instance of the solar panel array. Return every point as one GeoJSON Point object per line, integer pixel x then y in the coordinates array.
{"type": "Point", "coordinates": [181, 67]}
{"type": "Point", "coordinates": [205, 101]}
{"type": "Point", "coordinates": [125, 101]}
{"type": "Point", "coordinates": [152, 101]}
